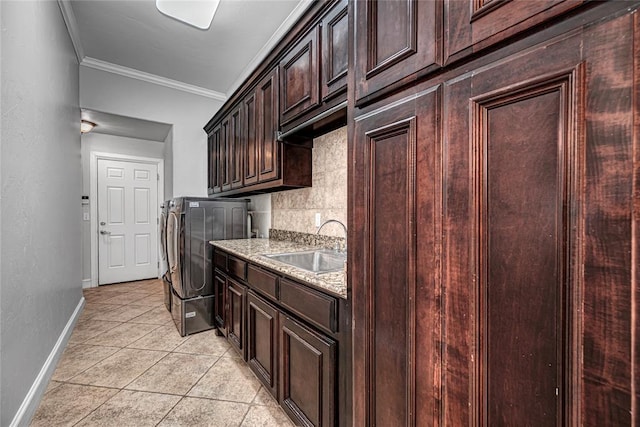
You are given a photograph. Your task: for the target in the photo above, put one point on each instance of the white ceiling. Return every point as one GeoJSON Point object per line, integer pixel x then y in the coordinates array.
{"type": "Point", "coordinates": [135, 35]}
{"type": "Point", "coordinates": [134, 39]}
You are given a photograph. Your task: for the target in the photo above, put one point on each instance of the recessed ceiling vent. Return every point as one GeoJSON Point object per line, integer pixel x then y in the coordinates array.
{"type": "Point", "coordinates": [198, 13]}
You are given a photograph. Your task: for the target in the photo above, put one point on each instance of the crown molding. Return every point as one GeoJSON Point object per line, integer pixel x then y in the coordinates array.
{"type": "Point", "coordinates": [286, 25]}
{"type": "Point", "coordinates": [72, 27]}
{"type": "Point", "coordinates": [150, 78]}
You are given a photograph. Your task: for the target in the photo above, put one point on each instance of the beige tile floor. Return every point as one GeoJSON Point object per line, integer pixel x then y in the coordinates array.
{"type": "Point", "coordinates": [126, 365]}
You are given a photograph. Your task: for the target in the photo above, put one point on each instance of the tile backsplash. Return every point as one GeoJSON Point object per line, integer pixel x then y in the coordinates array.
{"type": "Point", "coordinates": [260, 209]}
{"type": "Point", "coordinates": [295, 210]}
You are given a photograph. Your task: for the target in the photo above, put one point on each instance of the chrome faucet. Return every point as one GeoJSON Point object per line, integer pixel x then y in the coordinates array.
{"type": "Point", "coordinates": [344, 227]}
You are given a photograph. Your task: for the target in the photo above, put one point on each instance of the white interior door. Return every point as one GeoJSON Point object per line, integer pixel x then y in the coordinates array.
{"type": "Point", "coordinates": [127, 221]}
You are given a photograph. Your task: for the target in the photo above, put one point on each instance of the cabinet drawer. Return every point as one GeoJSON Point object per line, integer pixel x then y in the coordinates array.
{"type": "Point", "coordinates": [237, 267]}
{"type": "Point", "coordinates": [311, 305]}
{"type": "Point", "coordinates": [263, 281]}
{"type": "Point", "coordinates": [220, 260]}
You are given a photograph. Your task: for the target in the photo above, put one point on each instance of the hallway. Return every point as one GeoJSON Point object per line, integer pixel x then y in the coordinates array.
{"type": "Point", "coordinates": [126, 365]}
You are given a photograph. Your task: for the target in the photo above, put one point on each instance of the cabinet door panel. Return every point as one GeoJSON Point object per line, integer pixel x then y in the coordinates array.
{"type": "Point", "coordinates": [395, 39]}
{"type": "Point", "coordinates": [392, 291]}
{"type": "Point", "coordinates": [250, 138]}
{"type": "Point", "coordinates": [268, 146]}
{"type": "Point", "coordinates": [236, 147]}
{"type": "Point", "coordinates": [220, 303]}
{"type": "Point", "coordinates": [213, 146]}
{"type": "Point", "coordinates": [471, 25]}
{"type": "Point", "coordinates": [512, 169]}
{"type": "Point", "coordinates": [335, 50]}
{"type": "Point", "coordinates": [235, 316]}
{"type": "Point", "coordinates": [307, 374]}
{"type": "Point", "coordinates": [300, 75]}
{"type": "Point", "coordinates": [225, 154]}
{"type": "Point", "coordinates": [262, 341]}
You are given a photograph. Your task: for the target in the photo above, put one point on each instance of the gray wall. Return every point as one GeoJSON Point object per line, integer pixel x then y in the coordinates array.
{"type": "Point", "coordinates": [41, 184]}
{"type": "Point", "coordinates": [168, 166]}
{"type": "Point", "coordinates": [115, 145]}
{"type": "Point", "coordinates": [187, 112]}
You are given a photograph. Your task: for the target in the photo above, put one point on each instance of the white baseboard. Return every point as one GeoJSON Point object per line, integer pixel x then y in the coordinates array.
{"type": "Point", "coordinates": [86, 283]}
{"type": "Point", "coordinates": [30, 403]}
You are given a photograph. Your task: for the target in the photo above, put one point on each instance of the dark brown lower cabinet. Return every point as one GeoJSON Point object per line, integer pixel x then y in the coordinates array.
{"type": "Point", "coordinates": [308, 371]}
{"type": "Point", "coordinates": [493, 212]}
{"type": "Point", "coordinates": [296, 339]}
{"type": "Point", "coordinates": [220, 302]}
{"type": "Point", "coordinates": [235, 316]}
{"type": "Point", "coordinates": [262, 341]}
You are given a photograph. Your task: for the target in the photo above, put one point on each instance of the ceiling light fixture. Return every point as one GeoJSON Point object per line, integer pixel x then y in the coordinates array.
{"type": "Point", "coordinates": [86, 126]}
{"type": "Point", "coordinates": [198, 13]}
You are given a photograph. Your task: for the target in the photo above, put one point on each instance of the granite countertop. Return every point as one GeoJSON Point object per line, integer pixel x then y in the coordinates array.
{"type": "Point", "coordinates": [254, 250]}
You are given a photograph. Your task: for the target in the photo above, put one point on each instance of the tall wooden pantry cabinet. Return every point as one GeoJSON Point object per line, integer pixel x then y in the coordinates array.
{"type": "Point", "coordinates": [494, 202]}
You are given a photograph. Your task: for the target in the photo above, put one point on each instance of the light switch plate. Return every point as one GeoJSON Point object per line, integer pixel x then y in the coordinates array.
{"type": "Point", "coordinates": [85, 216]}
{"type": "Point", "coordinates": [318, 219]}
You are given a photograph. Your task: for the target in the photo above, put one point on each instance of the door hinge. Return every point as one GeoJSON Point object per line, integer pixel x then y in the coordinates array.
{"type": "Point", "coordinates": [158, 264]}
{"type": "Point", "coordinates": [158, 176]}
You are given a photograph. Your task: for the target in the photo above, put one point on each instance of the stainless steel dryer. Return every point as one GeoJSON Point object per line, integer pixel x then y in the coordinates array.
{"type": "Point", "coordinates": [164, 264]}
{"type": "Point", "coordinates": [191, 224]}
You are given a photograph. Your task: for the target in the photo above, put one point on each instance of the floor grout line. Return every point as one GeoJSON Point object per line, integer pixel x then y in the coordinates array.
{"type": "Point", "coordinates": [95, 308]}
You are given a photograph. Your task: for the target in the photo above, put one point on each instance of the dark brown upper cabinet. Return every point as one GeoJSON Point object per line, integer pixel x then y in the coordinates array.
{"type": "Point", "coordinates": [472, 25]}
{"type": "Point", "coordinates": [224, 162]}
{"type": "Point", "coordinates": [213, 147]}
{"type": "Point", "coordinates": [250, 137]}
{"type": "Point", "coordinates": [335, 51]}
{"type": "Point", "coordinates": [230, 151]}
{"type": "Point", "coordinates": [300, 77]}
{"type": "Point", "coordinates": [235, 155]}
{"type": "Point", "coordinates": [313, 77]}
{"type": "Point", "coordinates": [244, 151]}
{"type": "Point", "coordinates": [299, 91]}
{"type": "Point", "coordinates": [394, 40]}
{"type": "Point", "coordinates": [268, 145]}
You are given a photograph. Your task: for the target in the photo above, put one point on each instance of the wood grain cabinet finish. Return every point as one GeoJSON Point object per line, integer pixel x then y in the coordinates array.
{"type": "Point", "coordinates": [213, 151]}
{"type": "Point", "coordinates": [335, 51]}
{"type": "Point", "coordinates": [472, 25]}
{"type": "Point", "coordinates": [307, 374]}
{"type": "Point", "coordinates": [236, 295]}
{"type": "Point", "coordinates": [298, 344]}
{"type": "Point", "coordinates": [269, 149]}
{"type": "Point", "coordinates": [313, 306]}
{"type": "Point", "coordinates": [523, 157]}
{"type": "Point", "coordinates": [263, 281]}
{"type": "Point", "coordinates": [511, 302]}
{"type": "Point", "coordinates": [220, 303]}
{"type": "Point", "coordinates": [236, 147]}
{"type": "Point", "coordinates": [393, 41]}
{"type": "Point", "coordinates": [394, 298]}
{"type": "Point", "coordinates": [250, 126]}
{"type": "Point", "coordinates": [300, 77]}
{"type": "Point", "coordinates": [224, 155]}
{"type": "Point", "coordinates": [262, 341]}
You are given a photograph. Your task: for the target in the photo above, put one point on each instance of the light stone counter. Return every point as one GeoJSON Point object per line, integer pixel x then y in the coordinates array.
{"type": "Point", "coordinates": [254, 250]}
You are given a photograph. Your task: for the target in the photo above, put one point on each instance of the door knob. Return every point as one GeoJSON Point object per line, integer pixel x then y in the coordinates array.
{"type": "Point", "coordinates": [103, 223]}
{"type": "Point", "coordinates": [104, 232]}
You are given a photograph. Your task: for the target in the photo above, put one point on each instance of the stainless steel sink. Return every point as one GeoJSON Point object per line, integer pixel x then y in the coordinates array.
{"type": "Point", "coordinates": [319, 261]}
